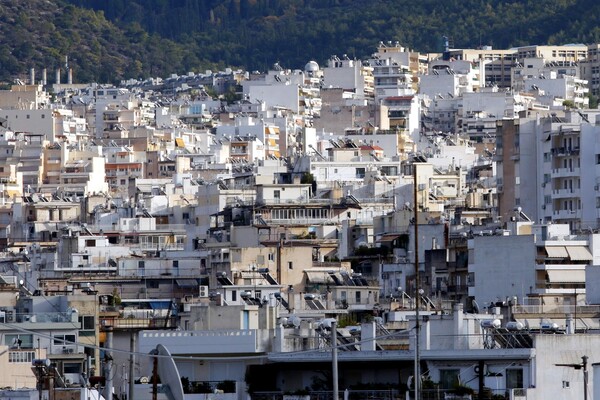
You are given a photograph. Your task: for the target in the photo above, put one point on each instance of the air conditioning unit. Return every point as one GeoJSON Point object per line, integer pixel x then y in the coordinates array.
{"type": "Point", "coordinates": [203, 291]}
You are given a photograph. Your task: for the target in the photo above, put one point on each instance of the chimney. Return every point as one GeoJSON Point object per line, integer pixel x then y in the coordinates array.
{"type": "Point", "coordinates": [32, 76]}
{"type": "Point", "coordinates": [58, 76]}
{"type": "Point", "coordinates": [44, 80]}
{"type": "Point", "coordinates": [70, 76]}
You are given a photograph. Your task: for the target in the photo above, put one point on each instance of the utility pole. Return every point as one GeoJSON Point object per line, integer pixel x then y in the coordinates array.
{"type": "Point", "coordinates": [334, 360]}
{"type": "Point", "coordinates": [583, 366]}
{"type": "Point", "coordinates": [155, 377]}
{"type": "Point", "coordinates": [132, 349]}
{"type": "Point", "coordinates": [108, 371]}
{"type": "Point", "coordinates": [417, 377]}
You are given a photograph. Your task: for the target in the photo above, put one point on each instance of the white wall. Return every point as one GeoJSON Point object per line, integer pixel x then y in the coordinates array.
{"type": "Point", "coordinates": [503, 266]}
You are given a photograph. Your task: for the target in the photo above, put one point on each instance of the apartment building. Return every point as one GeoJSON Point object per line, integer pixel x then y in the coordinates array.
{"type": "Point", "coordinates": [590, 68]}
{"type": "Point", "coordinates": [348, 74]}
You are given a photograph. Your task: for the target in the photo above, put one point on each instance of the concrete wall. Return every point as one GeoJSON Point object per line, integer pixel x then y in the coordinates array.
{"type": "Point", "coordinates": [502, 266]}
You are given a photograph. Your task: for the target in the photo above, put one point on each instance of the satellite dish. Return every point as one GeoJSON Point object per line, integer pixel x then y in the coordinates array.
{"type": "Point", "coordinates": [168, 372]}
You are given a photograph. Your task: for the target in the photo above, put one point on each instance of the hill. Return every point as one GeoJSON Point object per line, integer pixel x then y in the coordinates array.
{"type": "Point", "coordinates": [111, 40]}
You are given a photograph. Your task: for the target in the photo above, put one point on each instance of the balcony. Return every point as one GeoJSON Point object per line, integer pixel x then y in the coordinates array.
{"type": "Point", "coordinates": [565, 193]}
{"type": "Point", "coordinates": [203, 342]}
{"type": "Point", "coordinates": [565, 172]}
{"type": "Point", "coordinates": [566, 214]}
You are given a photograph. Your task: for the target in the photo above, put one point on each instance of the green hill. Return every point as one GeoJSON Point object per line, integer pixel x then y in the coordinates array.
{"type": "Point", "coordinates": [107, 40]}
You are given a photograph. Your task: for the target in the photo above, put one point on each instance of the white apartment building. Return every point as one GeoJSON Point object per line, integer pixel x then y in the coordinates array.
{"type": "Point", "coordinates": [569, 188]}
{"type": "Point", "coordinates": [590, 68]}
{"type": "Point", "coordinates": [267, 134]}
{"type": "Point", "coordinates": [349, 74]}
{"type": "Point", "coordinates": [24, 97]}
{"type": "Point", "coordinates": [479, 111]}
{"type": "Point", "coordinates": [546, 263]}
{"type": "Point", "coordinates": [449, 78]}
{"type": "Point", "coordinates": [400, 114]}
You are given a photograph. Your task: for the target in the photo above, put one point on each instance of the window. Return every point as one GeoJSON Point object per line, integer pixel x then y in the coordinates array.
{"type": "Point", "coordinates": [290, 265]}
{"type": "Point", "coordinates": [360, 172]}
{"type": "Point", "coordinates": [72, 368]}
{"type": "Point", "coordinates": [357, 297]}
{"type": "Point", "coordinates": [141, 264]}
{"type": "Point", "coordinates": [271, 257]}
{"type": "Point", "coordinates": [514, 378]}
{"type": "Point", "coordinates": [277, 194]}
{"type": "Point", "coordinates": [61, 340]}
{"type": "Point", "coordinates": [175, 263]}
{"type": "Point", "coordinates": [449, 378]}
{"type": "Point", "coordinates": [18, 341]}
{"type": "Point", "coordinates": [88, 325]}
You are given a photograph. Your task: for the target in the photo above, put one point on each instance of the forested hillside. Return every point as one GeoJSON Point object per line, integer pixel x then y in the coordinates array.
{"type": "Point", "coordinates": [107, 40]}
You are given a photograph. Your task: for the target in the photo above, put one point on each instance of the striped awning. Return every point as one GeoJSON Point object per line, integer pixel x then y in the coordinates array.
{"type": "Point", "coordinates": [557, 252]}
{"type": "Point", "coordinates": [566, 276]}
{"type": "Point", "coordinates": [579, 253]}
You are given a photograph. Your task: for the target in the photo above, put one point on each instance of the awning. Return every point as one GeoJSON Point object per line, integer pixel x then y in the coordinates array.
{"type": "Point", "coordinates": [317, 277]}
{"type": "Point", "coordinates": [566, 276]}
{"type": "Point", "coordinates": [187, 283]}
{"type": "Point", "coordinates": [388, 238]}
{"type": "Point", "coordinates": [557, 252]}
{"type": "Point", "coordinates": [579, 253]}
{"type": "Point", "coordinates": [160, 304]}
{"type": "Point", "coordinates": [179, 142]}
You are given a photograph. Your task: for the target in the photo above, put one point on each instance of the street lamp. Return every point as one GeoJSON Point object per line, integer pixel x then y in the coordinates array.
{"type": "Point", "coordinates": [582, 365]}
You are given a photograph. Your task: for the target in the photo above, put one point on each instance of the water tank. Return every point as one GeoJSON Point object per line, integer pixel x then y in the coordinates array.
{"type": "Point", "coordinates": [294, 320]}
{"type": "Point", "coordinates": [326, 322]}
{"type": "Point", "coordinates": [490, 323]}
{"type": "Point", "coordinates": [514, 326]}
{"type": "Point", "coordinates": [549, 326]}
